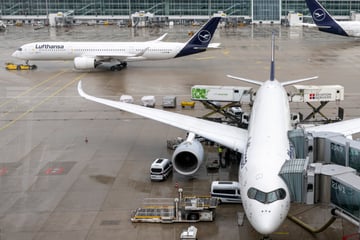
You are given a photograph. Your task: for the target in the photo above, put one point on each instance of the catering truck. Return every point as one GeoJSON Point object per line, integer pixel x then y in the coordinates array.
{"type": "Point", "coordinates": [220, 93]}
{"type": "Point", "coordinates": [320, 93]}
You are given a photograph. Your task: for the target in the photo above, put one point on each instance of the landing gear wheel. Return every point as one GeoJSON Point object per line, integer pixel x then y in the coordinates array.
{"type": "Point", "coordinates": [116, 67]}
{"type": "Point", "coordinates": [119, 67]}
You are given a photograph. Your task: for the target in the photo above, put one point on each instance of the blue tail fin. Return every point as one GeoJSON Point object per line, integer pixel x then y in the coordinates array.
{"type": "Point", "coordinates": [323, 19]}
{"type": "Point", "coordinates": [201, 39]}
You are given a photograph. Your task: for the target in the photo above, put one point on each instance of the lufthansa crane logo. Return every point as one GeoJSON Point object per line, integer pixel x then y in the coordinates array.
{"type": "Point", "coordinates": [319, 15]}
{"type": "Point", "coordinates": [204, 36]}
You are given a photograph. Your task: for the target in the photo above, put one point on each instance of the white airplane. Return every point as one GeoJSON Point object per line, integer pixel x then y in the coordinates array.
{"type": "Point", "coordinates": [326, 23]}
{"type": "Point", "coordinates": [264, 146]}
{"type": "Point", "coordinates": [89, 55]}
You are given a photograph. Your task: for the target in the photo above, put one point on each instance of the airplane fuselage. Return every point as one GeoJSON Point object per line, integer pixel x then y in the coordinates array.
{"type": "Point", "coordinates": [327, 23]}
{"type": "Point", "coordinates": [136, 51]}
{"type": "Point", "coordinates": [352, 28]}
{"type": "Point", "coordinates": [90, 55]}
{"type": "Point", "coordinates": [264, 194]}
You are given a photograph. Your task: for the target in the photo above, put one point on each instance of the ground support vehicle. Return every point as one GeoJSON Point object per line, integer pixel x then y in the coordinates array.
{"type": "Point", "coordinates": [13, 66]}
{"type": "Point", "coordinates": [187, 104]}
{"type": "Point", "coordinates": [170, 210]}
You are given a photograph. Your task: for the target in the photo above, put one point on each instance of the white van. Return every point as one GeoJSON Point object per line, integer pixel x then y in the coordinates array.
{"type": "Point", "coordinates": [226, 191]}
{"type": "Point", "coordinates": [160, 169]}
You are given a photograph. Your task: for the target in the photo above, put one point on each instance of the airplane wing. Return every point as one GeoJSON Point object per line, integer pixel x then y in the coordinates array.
{"type": "Point", "coordinates": [232, 137]}
{"type": "Point", "coordinates": [123, 56]}
{"type": "Point", "coordinates": [347, 127]}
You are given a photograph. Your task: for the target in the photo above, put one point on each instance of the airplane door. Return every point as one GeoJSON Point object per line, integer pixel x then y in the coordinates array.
{"type": "Point", "coordinates": [132, 50]}
{"type": "Point", "coordinates": [236, 94]}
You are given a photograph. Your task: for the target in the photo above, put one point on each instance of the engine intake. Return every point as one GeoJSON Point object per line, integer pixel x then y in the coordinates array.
{"type": "Point", "coordinates": [84, 63]}
{"type": "Point", "coordinates": [188, 157]}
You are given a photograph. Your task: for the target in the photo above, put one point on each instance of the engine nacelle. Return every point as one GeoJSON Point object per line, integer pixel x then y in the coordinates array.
{"type": "Point", "coordinates": [188, 157]}
{"type": "Point", "coordinates": [84, 62]}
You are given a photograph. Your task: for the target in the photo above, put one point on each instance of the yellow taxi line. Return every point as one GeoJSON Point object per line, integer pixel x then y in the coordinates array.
{"type": "Point", "coordinates": [30, 89]}
{"type": "Point", "coordinates": [38, 93]}
{"type": "Point", "coordinates": [41, 102]}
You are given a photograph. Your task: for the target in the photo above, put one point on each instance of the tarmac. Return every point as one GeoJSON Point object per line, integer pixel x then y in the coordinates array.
{"type": "Point", "coordinates": [74, 169]}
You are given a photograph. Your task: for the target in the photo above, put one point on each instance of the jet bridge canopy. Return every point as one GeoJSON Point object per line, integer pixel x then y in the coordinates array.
{"type": "Point", "coordinates": [345, 194]}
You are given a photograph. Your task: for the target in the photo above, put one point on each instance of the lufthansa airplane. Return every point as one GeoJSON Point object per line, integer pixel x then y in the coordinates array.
{"type": "Point", "coordinates": [265, 147]}
{"type": "Point", "coordinates": [89, 55]}
{"type": "Point", "coordinates": [326, 23]}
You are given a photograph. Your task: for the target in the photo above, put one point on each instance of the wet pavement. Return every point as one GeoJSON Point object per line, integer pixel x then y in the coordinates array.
{"type": "Point", "coordinates": [56, 185]}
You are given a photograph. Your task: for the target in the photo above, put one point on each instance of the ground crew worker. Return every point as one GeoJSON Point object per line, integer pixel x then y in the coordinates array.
{"type": "Point", "coordinates": [220, 151]}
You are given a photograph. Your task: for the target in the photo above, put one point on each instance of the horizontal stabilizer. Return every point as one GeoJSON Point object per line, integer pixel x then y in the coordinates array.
{"type": "Point", "coordinates": [298, 80]}
{"type": "Point", "coordinates": [214, 45]}
{"type": "Point", "coordinates": [310, 25]}
{"type": "Point", "coordinates": [246, 80]}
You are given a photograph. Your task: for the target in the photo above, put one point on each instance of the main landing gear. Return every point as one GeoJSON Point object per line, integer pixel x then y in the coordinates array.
{"type": "Point", "coordinates": [118, 67]}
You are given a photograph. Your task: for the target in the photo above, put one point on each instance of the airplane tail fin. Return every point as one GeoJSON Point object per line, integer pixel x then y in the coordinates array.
{"type": "Point", "coordinates": [272, 71]}
{"type": "Point", "coordinates": [323, 19]}
{"type": "Point", "coordinates": [201, 39]}
{"type": "Point", "coordinates": [272, 65]}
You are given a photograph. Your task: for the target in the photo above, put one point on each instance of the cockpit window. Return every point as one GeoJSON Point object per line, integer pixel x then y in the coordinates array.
{"type": "Point", "coordinates": [20, 49]}
{"type": "Point", "coordinates": [266, 198]}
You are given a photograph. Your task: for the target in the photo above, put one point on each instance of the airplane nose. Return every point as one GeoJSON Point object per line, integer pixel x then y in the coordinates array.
{"type": "Point", "coordinates": [268, 220]}
{"type": "Point", "coordinates": [267, 227]}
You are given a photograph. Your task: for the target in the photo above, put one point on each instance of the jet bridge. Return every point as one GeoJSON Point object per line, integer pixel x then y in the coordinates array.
{"type": "Point", "coordinates": [326, 171]}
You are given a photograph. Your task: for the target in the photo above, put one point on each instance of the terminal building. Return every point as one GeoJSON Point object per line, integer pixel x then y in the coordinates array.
{"type": "Point", "coordinates": [257, 11]}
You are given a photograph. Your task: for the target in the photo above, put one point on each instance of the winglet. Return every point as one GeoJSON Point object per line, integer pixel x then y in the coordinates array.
{"type": "Point", "coordinates": [201, 39]}
{"type": "Point", "coordinates": [323, 19]}
{"type": "Point", "coordinates": [160, 38]}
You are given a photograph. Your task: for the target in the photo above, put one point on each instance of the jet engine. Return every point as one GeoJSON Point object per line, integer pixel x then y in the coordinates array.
{"type": "Point", "coordinates": [84, 63]}
{"type": "Point", "coordinates": [188, 157]}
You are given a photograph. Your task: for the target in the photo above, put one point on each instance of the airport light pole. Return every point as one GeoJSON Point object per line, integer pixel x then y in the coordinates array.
{"type": "Point", "coordinates": [47, 10]}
